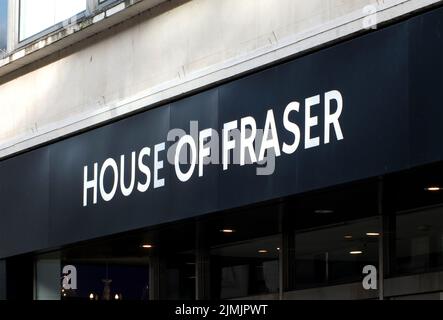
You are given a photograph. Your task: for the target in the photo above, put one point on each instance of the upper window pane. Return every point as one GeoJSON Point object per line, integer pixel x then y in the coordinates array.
{"type": "Point", "coordinates": [3, 23]}
{"type": "Point", "coordinates": [36, 16]}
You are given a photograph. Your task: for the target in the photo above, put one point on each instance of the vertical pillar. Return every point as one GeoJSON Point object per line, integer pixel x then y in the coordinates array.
{"type": "Point", "coordinates": [381, 240]}
{"type": "Point", "coordinates": [202, 265]}
{"type": "Point", "coordinates": [386, 207]}
{"type": "Point", "coordinates": [154, 276]}
{"type": "Point", "coordinates": [390, 235]}
{"type": "Point", "coordinates": [287, 263]}
{"type": "Point", "coordinates": [287, 253]}
{"type": "Point", "coordinates": [2, 280]}
{"type": "Point", "coordinates": [20, 278]}
{"type": "Point", "coordinates": [202, 269]}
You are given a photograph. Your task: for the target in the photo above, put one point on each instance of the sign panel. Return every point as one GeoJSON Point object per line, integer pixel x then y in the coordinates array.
{"type": "Point", "coordinates": [358, 109]}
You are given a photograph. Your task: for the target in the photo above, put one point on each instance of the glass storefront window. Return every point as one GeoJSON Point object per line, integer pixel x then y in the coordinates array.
{"type": "Point", "coordinates": [115, 269]}
{"type": "Point", "coordinates": [178, 277]}
{"type": "Point", "coordinates": [110, 281]}
{"type": "Point", "coordinates": [420, 241]}
{"type": "Point", "coordinates": [245, 269]}
{"type": "Point", "coordinates": [336, 254]}
{"type": "Point", "coordinates": [414, 203]}
{"type": "Point", "coordinates": [332, 236]}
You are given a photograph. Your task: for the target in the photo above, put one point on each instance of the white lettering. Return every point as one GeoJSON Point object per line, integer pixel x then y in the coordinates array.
{"type": "Point", "coordinates": [143, 187]}
{"type": "Point", "coordinates": [332, 119]}
{"type": "Point", "coordinates": [186, 140]}
{"type": "Point", "coordinates": [311, 122]}
{"type": "Point", "coordinates": [204, 151]}
{"type": "Point", "coordinates": [92, 184]}
{"type": "Point", "coordinates": [242, 140]}
{"type": "Point", "coordinates": [270, 142]}
{"type": "Point", "coordinates": [158, 165]}
{"type": "Point", "coordinates": [228, 143]}
{"type": "Point", "coordinates": [247, 143]}
{"type": "Point", "coordinates": [126, 191]}
{"type": "Point", "coordinates": [291, 127]}
{"type": "Point", "coordinates": [109, 163]}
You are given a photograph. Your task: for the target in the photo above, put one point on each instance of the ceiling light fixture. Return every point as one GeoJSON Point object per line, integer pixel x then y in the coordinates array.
{"type": "Point", "coordinates": [263, 251]}
{"type": "Point", "coordinates": [227, 231]}
{"type": "Point", "coordinates": [373, 234]}
{"type": "Point", "coordinates": [433, 189]}
{"type": "Point", "coordinates": [356, 252]}
{"type": "Point", "coordinates": [147, 246]}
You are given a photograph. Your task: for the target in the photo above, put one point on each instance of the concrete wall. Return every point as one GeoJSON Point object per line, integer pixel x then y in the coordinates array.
{"type": "Point", "coordinates": [169, 50]}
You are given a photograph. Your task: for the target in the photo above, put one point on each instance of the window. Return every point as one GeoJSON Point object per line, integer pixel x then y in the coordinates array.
{"type": "Point", "coordinates": [37, 16]}
{"type": "Point", "coordinates": [336, 254]}
{"type": "Point", "coordinates": [419, 243]}
{"type": "Point", "coordinates": [3, 25]}
{"type": "Point", "coordinates": [415, 203]}
{"type": "Point", "coordinates": [332, 235]}
{"type": "Point", "coordinates": [102, 271]}
{"type": "Point", "coordinates": [178, 276]}
{"type": "Point", "coordinates": [246, 269]}
{"type": "Point", "coordinates": [100, 5]}
{"type": "Point", "coordinates": [100, 2]}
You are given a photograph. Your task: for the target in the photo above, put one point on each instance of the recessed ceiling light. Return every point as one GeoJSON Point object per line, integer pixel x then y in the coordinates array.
{"type": "Point", "coordinates": [227, 231]}
{"type": "Point", "coordinates": [263, 251]}
{"type": "Point", "coordinates": [356, 252]}
{"type": "Point", "coordinates": [147, 246]}
{"type": "Point", "coordinates": [348, 237]}
{"type": "Point", "coordinates": [433, 189]}
{"type": "Point", "coordinates": [324, 211]}
{"type": "Point", "coordinates": [373, 234]}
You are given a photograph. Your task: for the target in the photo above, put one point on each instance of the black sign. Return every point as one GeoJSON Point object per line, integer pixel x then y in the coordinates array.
{"type": "Point", "coordinates": [362, 108]}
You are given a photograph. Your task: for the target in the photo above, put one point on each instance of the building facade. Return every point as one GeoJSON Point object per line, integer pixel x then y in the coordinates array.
{"type": "Point", "coordinates": [221, 149]}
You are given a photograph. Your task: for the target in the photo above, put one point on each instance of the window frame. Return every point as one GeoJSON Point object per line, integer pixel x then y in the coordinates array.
{"type": "Point", "coordinates": [97, 6]}
{"type": "Point", "coordinates": [81, 16]}
{"type": "Point", "coordinates": [3, 51]}
{"type": "Point", "coordinates": [92, 8]}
